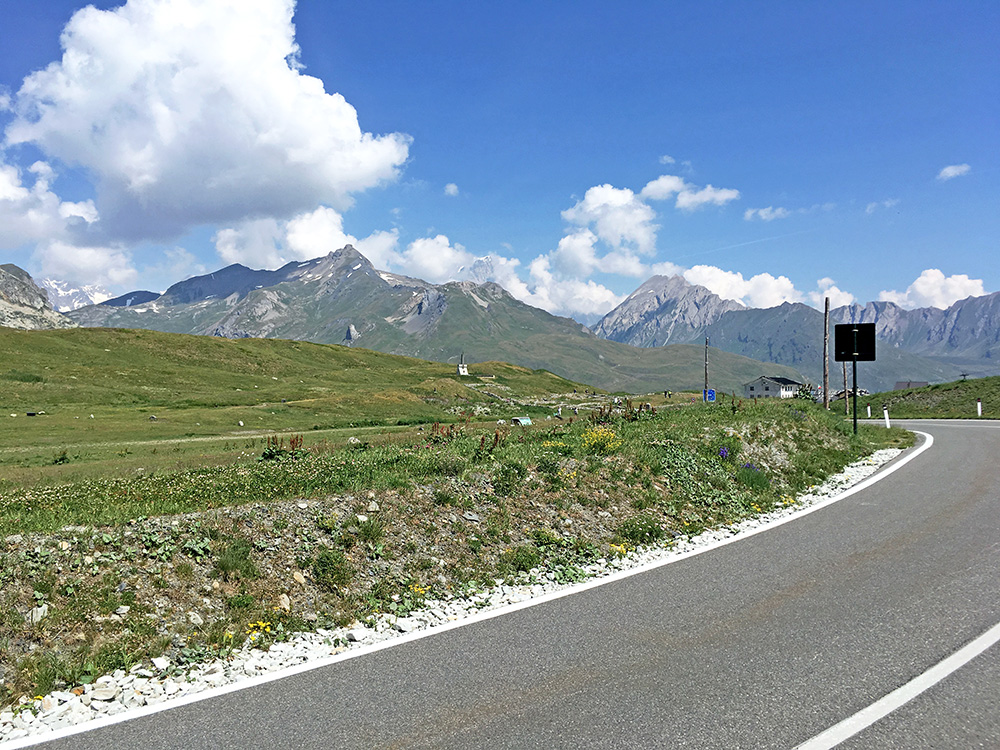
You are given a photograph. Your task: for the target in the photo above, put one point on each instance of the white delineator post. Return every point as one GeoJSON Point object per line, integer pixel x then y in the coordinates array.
{"type": "Point", "coordinates": [979, 407]}
{"type": "Point", "coordinates": [869, 411]}
{"type": "Point", "coordinates": [885, 413]}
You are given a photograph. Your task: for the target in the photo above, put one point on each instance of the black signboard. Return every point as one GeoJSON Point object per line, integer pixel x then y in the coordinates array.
{"type": "Point", "coordinates": [854, 341]}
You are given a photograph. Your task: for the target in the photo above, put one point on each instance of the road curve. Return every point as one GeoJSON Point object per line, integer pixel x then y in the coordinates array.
{"type": "Point", "coordinates": [766, 642]}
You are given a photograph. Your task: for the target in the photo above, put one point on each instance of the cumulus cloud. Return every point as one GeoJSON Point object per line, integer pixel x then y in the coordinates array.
{"type": "Point", "coordinates": [316, 233]}
{"type": "Point", "coordinates": [567, 296]}
{"type": "Point", "coordinates": [197, 113]}
{"type": "Point", "coordinates": [933, 289]}
{"type": "Point", "coordinates": [667, 159]}
{"type": "Point", "coordinates": [270, 243]}
{"type": "Point", "coordinates": [688, 197]}
{"type": "Point", "coordinates": [103, 266]}
{"type": "Point", "coordinates": [612, 231]}
{"type": "Point", "coordinates": [255, 243]}
{"type": "Point", "coordinates": [827, 287]}
{"type": "Point", "coordinates": [451, 189]}
{"type": "Point", "coordinates": [952, 171]}
{"type": "Point", "coordinates": [876, 205]}
{"type": "Point", "coordinates": [664, 187]}
{"type": "Point", "coordinates": [760, 290]}
{"type": "Point", "coordinates": [30, 212]}
{"type": "Point", "coordinates": [618, 216]}
{"type": "Point", "coordinates": [766, 214]}
{"type": "Point", "coordinates": [435, 259]}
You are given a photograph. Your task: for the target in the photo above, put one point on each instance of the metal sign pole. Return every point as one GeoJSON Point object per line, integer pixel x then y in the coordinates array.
{"type": "Point", "coordinates": [854, 379]}
{"type": "Point", "coordinates": [855, 367]}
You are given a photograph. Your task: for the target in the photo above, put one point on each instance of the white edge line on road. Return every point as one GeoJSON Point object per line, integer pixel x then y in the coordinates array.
{"type": "Point", "coordinates": [488, 615]}
{"type": "Point", "coordinates": [887, 704]}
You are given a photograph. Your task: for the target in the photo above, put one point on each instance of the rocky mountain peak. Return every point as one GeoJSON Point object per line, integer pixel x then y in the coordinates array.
{"type": "Point", "coordinates": [662, 310]}
{"type": "Point", "coordinates": [23, 304]}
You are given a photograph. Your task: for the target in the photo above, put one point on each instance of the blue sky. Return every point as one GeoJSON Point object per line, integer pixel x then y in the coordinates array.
{"type": "Point", "coordinates": [770, 152]}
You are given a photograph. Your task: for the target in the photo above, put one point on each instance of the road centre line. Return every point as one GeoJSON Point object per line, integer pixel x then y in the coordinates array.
{"type": "Point", "coordinates": [479, 617]}
{"type": "Point", "coordinates": [864, 718]}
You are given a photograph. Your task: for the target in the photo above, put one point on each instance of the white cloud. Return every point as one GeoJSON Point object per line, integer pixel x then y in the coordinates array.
{"type": "Point", "coordinates": [435, 259]}
{"type": "Point", "coordinates": [575, 256]}
{"type": "Point", "coordinates": [766, 214]}
{"type": "Point", "coordinates": [692, 200]}
{"type": "Point", "coordinates": [451, 189]}
{"type": "Point", "coordinates": [103, 266]}
{"type": "Point", "coordinates": [933, 289]}
{"type": "Point", "coordinates": [618, 216]}
{"type": "Point", "coordinates": [664, 187]}
{"type": "Point", "coordinates": [30, 212]}
{"type": "Point", "coordinates": [666, 159]}
{"type": "Point", "coordinates": [255, 243]}
{"type": "Point", "coordinates": [567, 296]}
{"type": "Point", "coordinates": [316, 233]}
{"type": "Point", "coordinates": [761, 290]}
{"type": "Point", "coordinates": [380, 248]}
{"type": "Point", "coordinates": [876, 205]}
{"type": "Point", "coordinates": [193, 113]}
{"type": "Point", "coordinates": [270, 243]}
{"type": "Point", "coordinates": [689, 197]}
{"type": "Point", "coordinates": [952, 171]}
{"type": "Point", "coordinates": [827, 287]}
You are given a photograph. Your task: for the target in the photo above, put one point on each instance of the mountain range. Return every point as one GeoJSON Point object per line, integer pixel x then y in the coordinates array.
{"type": "Point", "coordinates": [924, 344]}
{"type": "Point", "coordinates": [341, 298]}
{"type": "Point", "coordinates": [64, 296]}
{"type": "Point", "coordinates": [654, 340]}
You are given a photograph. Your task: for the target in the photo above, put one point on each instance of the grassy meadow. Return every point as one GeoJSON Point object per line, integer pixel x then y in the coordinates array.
{"type": "Point", "coordinates": [113, 401]}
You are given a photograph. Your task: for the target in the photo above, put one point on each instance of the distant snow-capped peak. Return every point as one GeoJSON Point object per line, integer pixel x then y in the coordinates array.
{"type": "Point", "coordinates": [65, 297]}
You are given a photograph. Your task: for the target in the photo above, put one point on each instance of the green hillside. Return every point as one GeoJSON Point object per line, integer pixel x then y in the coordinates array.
{"type": "Point", "coordinates": [955, 400]}
{"type": "Point", "coordinates": [93, 389]}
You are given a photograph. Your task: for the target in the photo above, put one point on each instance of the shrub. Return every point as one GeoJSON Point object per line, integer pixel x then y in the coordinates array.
{"type": "Point", "coordinates": [640, 530]}
{"type": "Point", "coordinates": [508, 477]}
{"type": "Point", "coordinates": [753, 478]}
{"type": "Point", "coordinates": [240, 601]}
{"type": "Point", "coordinates": [235, 561]}
{"type": "Point", "coordinates": [600, 440]}
{"type": "Point", "coordinates": [371, 530]}
{"type": "Point", "coordinates": [520, 558]}
{"type": "Point", "coordinates": [331, 569]}
{"type": "Point", "coordinates": [23, 377]}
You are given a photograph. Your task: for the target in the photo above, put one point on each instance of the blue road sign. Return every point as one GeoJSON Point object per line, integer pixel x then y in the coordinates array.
{"type": "Point", "coordinates": [710, 395]}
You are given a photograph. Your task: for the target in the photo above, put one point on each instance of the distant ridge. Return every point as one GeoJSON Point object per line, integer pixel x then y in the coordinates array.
{"type": "Point", "coordinates": [341, 298]}
{"type": "Point", "coordinates": [925, 344]}
{"type": "Point", "coordinates": [132, 298]}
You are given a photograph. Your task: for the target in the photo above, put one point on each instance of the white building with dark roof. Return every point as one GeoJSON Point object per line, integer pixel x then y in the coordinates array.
{"type": "Point", "coordinates": [768, 386]}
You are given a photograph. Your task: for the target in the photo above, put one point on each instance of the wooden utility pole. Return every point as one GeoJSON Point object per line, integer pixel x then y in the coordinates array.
{"type": "Point", "coordinates": [847, 409]}
{"type": "Point", "coordinates": [826, 354]}
{"type": "Point", "coordinates": [704, 394]}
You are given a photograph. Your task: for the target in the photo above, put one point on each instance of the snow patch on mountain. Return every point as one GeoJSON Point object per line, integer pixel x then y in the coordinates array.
{"type": "Point", "coordinates": [64, 296]}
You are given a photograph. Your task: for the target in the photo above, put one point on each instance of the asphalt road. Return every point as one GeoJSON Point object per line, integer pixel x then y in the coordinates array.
{"type": "Point", "coordinates": [762, 643]}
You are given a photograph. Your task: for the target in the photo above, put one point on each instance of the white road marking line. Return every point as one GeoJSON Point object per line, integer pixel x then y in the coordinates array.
{"type": "Point", "coordinates": [884, 706]}
{"type": "Point", "coordinates": [354, 653]}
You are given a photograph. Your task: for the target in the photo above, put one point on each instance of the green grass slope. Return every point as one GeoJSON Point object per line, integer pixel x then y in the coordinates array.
{"type": "Point", "coordinates": [956, 400]}
{"type": "Point", "coordinates": [90, 386]}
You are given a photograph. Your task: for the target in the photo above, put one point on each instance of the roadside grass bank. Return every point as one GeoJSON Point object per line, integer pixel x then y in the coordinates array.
{"type": "Point", "coordinates": [105, 574]}
{"type": "Point", "coordinates": [955, 400]}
